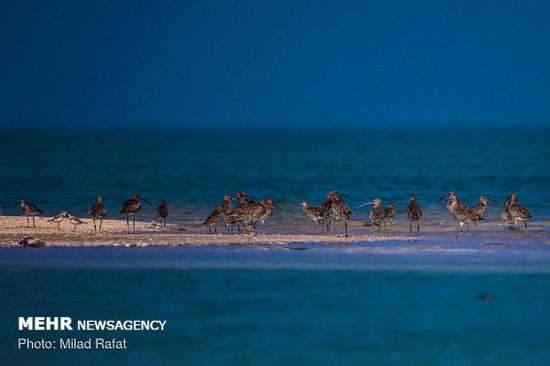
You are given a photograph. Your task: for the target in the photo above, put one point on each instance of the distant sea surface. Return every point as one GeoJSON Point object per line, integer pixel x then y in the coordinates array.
{"type": "Point", "coordinates": [193, 170]}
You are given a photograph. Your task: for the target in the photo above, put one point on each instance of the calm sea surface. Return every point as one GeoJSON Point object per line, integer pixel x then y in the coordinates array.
{"type": "Point", "coordinates": [464, 300]}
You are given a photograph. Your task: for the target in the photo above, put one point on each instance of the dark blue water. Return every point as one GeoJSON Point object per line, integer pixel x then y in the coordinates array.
{"type": "Point", "coordinates": [288, 316]}
{"type": "Point", "coordinates": [193, 170]}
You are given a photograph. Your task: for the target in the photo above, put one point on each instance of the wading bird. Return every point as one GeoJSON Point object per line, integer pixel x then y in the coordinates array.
{"type": "Point", "coordinates": [518, 212]}
{"type": "Point", "coordinates": [389, 213]}
{"type": "Point", "coordinates": [131, 208]}
{"type": "Point", "coordinates": [461, 213]}
{"type": "Point", "coordinates": [335, 208]}
{"type": "Point", "coordinates": [213, 219]}
{"type": "Point", "coordinates": [162, 212]}
{"type": "Point", "coordinates": [59, 219]}
{"type": "Point", "coordinates": [75, 222]}
{"type": "Point", "coordinates": [98, 211]}
{"type": "Point", "coordinates": [377, 214]}
{"type": "Point", "coordinates": [478, 210]}
{"type": "Point", "coordinates": [314, 213]}
{"type": "Point", "coordinates": [506, 216]}
{"type": "Point", "coordinates": [413, 212]}
{"type": "Point", "coordinates": [29, 210]}
{"type": "Point", "coordinates": [269, 210]}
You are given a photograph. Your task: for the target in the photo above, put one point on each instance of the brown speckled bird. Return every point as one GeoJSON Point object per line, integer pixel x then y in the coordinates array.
{"type": "Point", "coordinates": [506, 216]}
{"type": "Point", "coordinates": [131, 207]}
{"type": "Point", "coordinates": [162, 212]}
{"type": "Point", "coordinates": [213, 219]}
{"type": "Point", "coordinates": [377, 214]}
{"type": "Point", "coordinates": [461, 213]}
{"type": "Point", "coordinates": [29, 210]}
{"type": "Point", "coordinates": [390, 213]}
{"type": "Point", "coordinates": [314, 213]}
{"type": "Point", "coordinates": [518, 212]}
{"type": "Point", "coordinates": [413, 212]}
{"type": "Point", "coordinates": [98, 212]}
{"type": "Point", "coordinates": [478, 210]}
{"type": "Point", "coordinates": [335, 208]}
{"type": "Point", "coordinates": [269, 206]}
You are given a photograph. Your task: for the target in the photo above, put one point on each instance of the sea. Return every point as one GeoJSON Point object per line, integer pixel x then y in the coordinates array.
{"type": "Point", "coordinates": [438, 297]}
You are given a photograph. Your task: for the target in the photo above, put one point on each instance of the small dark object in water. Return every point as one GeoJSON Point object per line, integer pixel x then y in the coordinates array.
{"type": "Point", "coordinates": [485, 297]}
{"type": "Point", "coordinates": [30, 242]}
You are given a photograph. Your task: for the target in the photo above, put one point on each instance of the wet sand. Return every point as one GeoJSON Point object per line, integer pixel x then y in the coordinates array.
{"type": "Point", "coordinates": [13, 229]}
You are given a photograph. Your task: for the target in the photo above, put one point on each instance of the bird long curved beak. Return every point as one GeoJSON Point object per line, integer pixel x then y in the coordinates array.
{"type": "Point", "coordinates": [143, 199]}
{"type": "Point", "coordinates": [364, 204]}
{"type": "Point", "coordinates": [345, 195]}
{"type": "Point", "coordinates": [440, 198]}
{"type": "Point", "coordinates": [277, 207]}
{"type": "Point", "coordinates": [492, 200]}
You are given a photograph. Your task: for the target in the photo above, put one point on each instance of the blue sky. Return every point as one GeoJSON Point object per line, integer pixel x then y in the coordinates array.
{"type": "Point", "coordinates": [283, 63]}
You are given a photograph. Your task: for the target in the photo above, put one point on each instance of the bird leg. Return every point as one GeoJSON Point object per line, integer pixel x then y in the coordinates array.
{"type": "Point", "coordinates": [33, 222]}
{"type": "Point", "coordinates": [134, 223]}
{"type": "Point", "coordinates": [165, 222]}
{"type": "Point", "coordinates": [100, 224]}
{"type": "Point", "coordinates": [418, 226]}
{"type": "Point", "coordinates": [525, 223]}
{"type": "Point", "coordinates": [95, 229]}
{"type": "Point", "coordinates": [346, 225]}
{"type": "Point", "coordinates": [410, 227]}
{"type": "Point", "coordinates": [128, 221]}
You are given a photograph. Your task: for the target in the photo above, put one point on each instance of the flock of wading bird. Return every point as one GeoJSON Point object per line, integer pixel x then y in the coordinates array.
{"type": "Point", "coordinates": [249, 212]}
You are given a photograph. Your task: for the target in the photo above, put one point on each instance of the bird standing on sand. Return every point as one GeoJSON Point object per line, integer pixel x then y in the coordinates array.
{"type": "Point", "coordinates": [389, 213]}
{"type": "Point", "coordinates": [413, 212]}
{"type": "Point", "coordinates": [98, 212]}
{"type": "Point", "coordinates": [213, 219]}
{"type": "Point", "coordinates": [269, 206]}
{"type": "Point", "coordinates": [131, 208]}
{"type": "Point", "coordinates": [230, 220]}
{"type": "Point", "coordinates": [478, 210]}
{"type": "Point", "coordinates": [59, 219]}
{"type": "Point", "coordinates": [506, 216]}
{"type": "Point", "coordinates": [461, 213]}
{"type": "Point", "coordinates": [377, 215]}
{"type": "Point", "coordinates": [29, 210]}
{"type": "Point", "coordinates": [75, 222]}
{"type": "Point", "coordinates": [162, 212]}
{"type": "Point", "coordinates": [335, 208]}
{"type": "Point", "coordinates": [518, 212]}
{"type": "Point", "coordinates": [314, 213]}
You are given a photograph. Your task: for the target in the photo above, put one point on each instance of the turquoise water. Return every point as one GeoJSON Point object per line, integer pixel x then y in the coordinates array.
{"type": "Point", "coordinates": [193, 170]}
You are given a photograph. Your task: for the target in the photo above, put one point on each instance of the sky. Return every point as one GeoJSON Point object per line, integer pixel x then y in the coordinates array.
{"type": "Point", "coordinates": [253, 64]}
